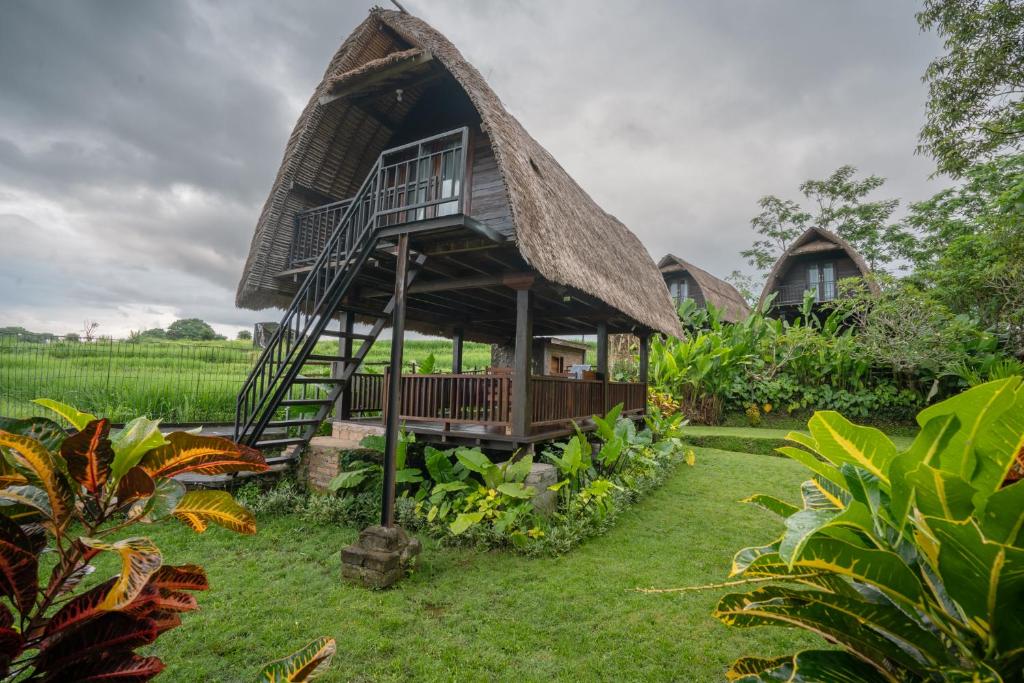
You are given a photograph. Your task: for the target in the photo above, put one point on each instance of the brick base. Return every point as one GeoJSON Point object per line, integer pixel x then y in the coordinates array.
{"type": "Point", "coordinates": [323, 457]}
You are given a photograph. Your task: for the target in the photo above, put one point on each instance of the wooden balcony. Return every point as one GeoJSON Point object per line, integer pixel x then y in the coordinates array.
{"type": "Point", "coordinates": [482, 402]}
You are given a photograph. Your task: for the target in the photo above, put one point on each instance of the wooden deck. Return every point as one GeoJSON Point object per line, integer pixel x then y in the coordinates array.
{"type": "Point", "coordinates": [475, 408]}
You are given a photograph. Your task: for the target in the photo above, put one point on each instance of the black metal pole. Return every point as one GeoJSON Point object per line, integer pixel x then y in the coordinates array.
{"type": "Point", "coordinates": [387, 513]}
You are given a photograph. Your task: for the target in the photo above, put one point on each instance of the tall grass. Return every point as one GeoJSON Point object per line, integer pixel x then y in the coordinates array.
{"type": "Point", "coordinates": [175, 381]}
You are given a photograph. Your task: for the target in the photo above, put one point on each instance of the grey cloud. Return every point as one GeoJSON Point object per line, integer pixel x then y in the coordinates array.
{"type": "Point", "coordinates": [140, 138]}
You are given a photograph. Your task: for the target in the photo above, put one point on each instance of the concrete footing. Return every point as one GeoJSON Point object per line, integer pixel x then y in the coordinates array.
{"type": "Point", "coordinates": [380, 557]}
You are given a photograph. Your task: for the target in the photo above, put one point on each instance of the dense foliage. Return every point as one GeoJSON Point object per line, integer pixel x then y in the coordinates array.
{"type": "Point", "coordinates": [912, 562]}
{"type": "Point", "coordinates": [882, 357]}
{"type": "Point", "coordinates": [64, 500]}
{"type": "Point", "coordinates": [463, 496]}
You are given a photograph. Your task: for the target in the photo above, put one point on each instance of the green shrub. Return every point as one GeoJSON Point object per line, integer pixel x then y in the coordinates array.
{"type": "Point", "coordinates": [911, 562]}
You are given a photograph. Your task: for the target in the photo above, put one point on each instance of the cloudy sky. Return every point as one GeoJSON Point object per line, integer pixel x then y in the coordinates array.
{"type": "Point", "coordinates": [138, 139]}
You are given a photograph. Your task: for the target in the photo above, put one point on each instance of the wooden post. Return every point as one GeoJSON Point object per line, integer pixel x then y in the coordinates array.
{"type": "Point", "coordinates": [343, 406]}
{"type": "Point", "coordinates": [644, 339]}
{"type": "Point", "coordinates": [457, 336]}
{"type": "Point", "coordinates": [522, 400]}
{"type": "Point", "coordinates": [391, 427]}
{"type": "Point", "coordinates": [602, 362]}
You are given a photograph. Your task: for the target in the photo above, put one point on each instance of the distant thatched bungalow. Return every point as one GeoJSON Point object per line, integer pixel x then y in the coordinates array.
{"type": "Point", "coordinates": [815, 262]}
{"type": "Point", "coordinates": [686, 281]}
{"type": "Point", "coordinates": [409, 196]}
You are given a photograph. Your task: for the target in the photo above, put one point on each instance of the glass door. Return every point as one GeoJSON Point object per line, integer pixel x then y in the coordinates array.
{"type": "Point", "coordinates": [821, 279]}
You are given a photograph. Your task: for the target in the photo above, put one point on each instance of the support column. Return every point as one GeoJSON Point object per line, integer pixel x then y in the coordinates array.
{"type": "Point", "coordinates": [457, 337]}
{"type": "Point", "coordinates": [602, 362]}
{"type": "Point", "coordinates": [522, 388]}
{"type": "Point", "coordinates": [644, 339]}
{"type": "Point", "coordinates": [394, 388]}
{"type": "Point", "coordinates": [343, 406]}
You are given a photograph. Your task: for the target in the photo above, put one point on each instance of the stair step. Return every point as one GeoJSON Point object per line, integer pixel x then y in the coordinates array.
{"type": "Point", "coordinates": [318, 380]}
{"type": "Point", "coordinates": [274, 443]}
{"type": "Point", "coordinates": [368, 312]}
{"type": "Point", "coordinates": [305, 401]}
{"type": "Point", "coordinates": [347, 335]}
{"type": "Point", "coordinates": [293, 423]}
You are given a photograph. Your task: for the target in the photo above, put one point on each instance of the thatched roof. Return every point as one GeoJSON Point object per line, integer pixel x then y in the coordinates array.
{"type": "Point", "coordinates": [816, 240]}
{"type": "Point", "coordinates": [716, 292]}
{"type": "Point", "coordinates": [558, 229]}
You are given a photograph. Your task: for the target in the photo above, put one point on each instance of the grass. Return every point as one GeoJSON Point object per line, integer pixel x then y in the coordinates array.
{"type": "Point", "coordinates": [764, 440]}
{"type": "Point", "coordinates": [496, 616]}
{"type": "Point", "coordinates": [177, 381]}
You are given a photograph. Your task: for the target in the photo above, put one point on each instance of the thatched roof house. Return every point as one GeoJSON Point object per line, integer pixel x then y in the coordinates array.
{"type": "Point", "coordinates": [408, 197]}
{"type": "Point", "coordinates": [815, 261]}
{"type": "Point", "coordinates": [687, 281]}
{"type": "Point", "coordinates": [395, 79]}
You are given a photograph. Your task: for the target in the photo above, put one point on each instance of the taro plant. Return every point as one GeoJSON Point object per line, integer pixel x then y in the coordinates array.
{"type": "Point", "coordinates": [369, 475]}
{"type": "Point", "coordinates": [911, 562]}
{"type": "Point", "coordinates": [64, 500]}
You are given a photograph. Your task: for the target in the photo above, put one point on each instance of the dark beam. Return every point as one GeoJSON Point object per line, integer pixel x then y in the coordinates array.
{"type": "Point", "coordinates": [391, 433]}
{"type": "Point", "coordinates": [343, 406]}
{"type": "Point", "coordinates": [522, 401]}
{"type": "Point", "coordinates": [602, 350]}
{"type": "Point", "coordinates": [644, 339]}
{"type": "Point", "coordinates": [457, 335]}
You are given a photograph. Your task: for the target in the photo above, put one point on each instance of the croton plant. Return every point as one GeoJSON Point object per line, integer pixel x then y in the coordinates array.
{"type": "Point", "coordinates": [64, 500]}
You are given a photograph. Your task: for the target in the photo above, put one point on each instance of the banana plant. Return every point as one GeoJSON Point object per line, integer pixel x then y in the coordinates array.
{"type": "Point", "coordinates": [72, 496]}
{"type": "Point", "coordinates": [912, 561]}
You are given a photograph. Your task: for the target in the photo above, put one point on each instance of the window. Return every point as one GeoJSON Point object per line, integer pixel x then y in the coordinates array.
{"type": "Point", "coordinates": [680, 290]}
{"type": "Point", "coordinates": [821, 279]}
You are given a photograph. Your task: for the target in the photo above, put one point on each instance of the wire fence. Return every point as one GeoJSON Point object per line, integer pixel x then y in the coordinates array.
{"type": "Point", "coordinates": [179, 382]}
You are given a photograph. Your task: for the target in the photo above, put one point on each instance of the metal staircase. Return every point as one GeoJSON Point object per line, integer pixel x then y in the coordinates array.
{"type": "Point", "coordinates": [415, 182]}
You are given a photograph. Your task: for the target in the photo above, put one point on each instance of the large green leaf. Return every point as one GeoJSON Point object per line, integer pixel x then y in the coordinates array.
{"type": "Point", "coordinates": [882, 569]}
{"type": "Point", "coordinates": [515, 489]}
{"type": "Point", "coordinates": [809, 666]}
{"type": "Point", "coordinates": [75, 417]}
{"type": "Point", "coordinates": [1003, 521]}
{"type": "Point", "coordinates": [137, 438]}
{"type": "Point", "coordinates": [941, 494]}
{"type": "Point", "coordinates": [304, 665]}
{"type": "Point", "coordinates": [520, 469]}
{"type": "Point", "coordinates": [930, 442]}
{"type": "Point", "coordinates": [772, 504]}
{"type": "Point", "coordinates": [350, 479]}
{"type": "Point", "coordinates": [464, 521]}
{"type": "Point", "coordinates": [43, 430]}
{"type": "Point", "coordinates": [842, 619]}
{"type": "Point", "coordinates": [985, 579]}
{"type": "Point", "coordinates": [813, 463]}
{"type": "Point", "coordinates": [977, 409]}
{"type": "Point", "coordinates": [840, 441]}
{"type": "Point", "coordinates": [439, 464]}
{"type": "Point", "coordinates": [802, 526]}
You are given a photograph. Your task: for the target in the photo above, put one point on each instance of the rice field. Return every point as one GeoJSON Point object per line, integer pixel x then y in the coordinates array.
{"type": "Point", "coordinates": [180, 382]}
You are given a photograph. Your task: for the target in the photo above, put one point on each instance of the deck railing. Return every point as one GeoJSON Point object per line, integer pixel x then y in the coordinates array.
{"type": "Point", "coordinates": [419, 181]}
{"type": "Point", "coordinates": [788, 295]}
{"type": "Point", "coordinates": [486, 399]}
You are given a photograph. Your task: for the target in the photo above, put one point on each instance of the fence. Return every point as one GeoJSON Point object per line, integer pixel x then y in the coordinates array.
{"type": "Point", "coordinates": [179, 382]}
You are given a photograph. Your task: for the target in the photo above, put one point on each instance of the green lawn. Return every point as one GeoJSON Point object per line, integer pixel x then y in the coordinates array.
{"type": "Point", "coordinates": [765, 440]}
{"type": "Point", "coordinates": [466, 615]}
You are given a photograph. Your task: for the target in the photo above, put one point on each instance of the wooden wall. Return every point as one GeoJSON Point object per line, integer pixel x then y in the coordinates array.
{"type": "Point", "coordinates": [490, 200]}
{"type": "Point", "coordinates": [796, 274]}
{"type": "Point", "coordinates": [693, 289]}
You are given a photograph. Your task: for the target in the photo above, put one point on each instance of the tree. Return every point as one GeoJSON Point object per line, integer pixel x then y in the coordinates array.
{"type": "Point", "coordinates": [244, 335]}
{"type": "Point", "coordinates": [89, 329]}
{"type": "Point", "coordinates": [975, 104]}
{"type": "Point", "coordinates": [72, 337]}
{"type": "Point", "coordinates": [154, 333]}
{"type": "Point", "coordinates": [967, 244]}
{"type": "Point", "coordinates": [192, 329]}
{"type": "Point", "coordinates": [839, 206]}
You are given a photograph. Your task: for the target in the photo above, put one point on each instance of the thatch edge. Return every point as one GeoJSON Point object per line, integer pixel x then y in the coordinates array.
{"type": "Point", "coordinates": [720, 293]}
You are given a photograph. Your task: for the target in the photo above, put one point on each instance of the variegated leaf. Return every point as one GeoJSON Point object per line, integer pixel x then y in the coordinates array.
{"type": "Point", "coordinates": [199, 508]}
{"type": "Point", "coordinates": [140, 559]}
{"type": "Point", "coordinates": [34, 456]}
{"type": "Point", "coordinates": [202, 455]}
{"type": "Point", "coordinates": [304, 665]}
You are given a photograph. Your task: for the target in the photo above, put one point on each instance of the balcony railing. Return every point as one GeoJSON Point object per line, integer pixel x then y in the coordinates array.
{"type": "Point", "coordinates": [486, 399]}
{"type": "Point", "coordinates": [419, 181]}
{"type": "Point", "coordinates": [789, 295]}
